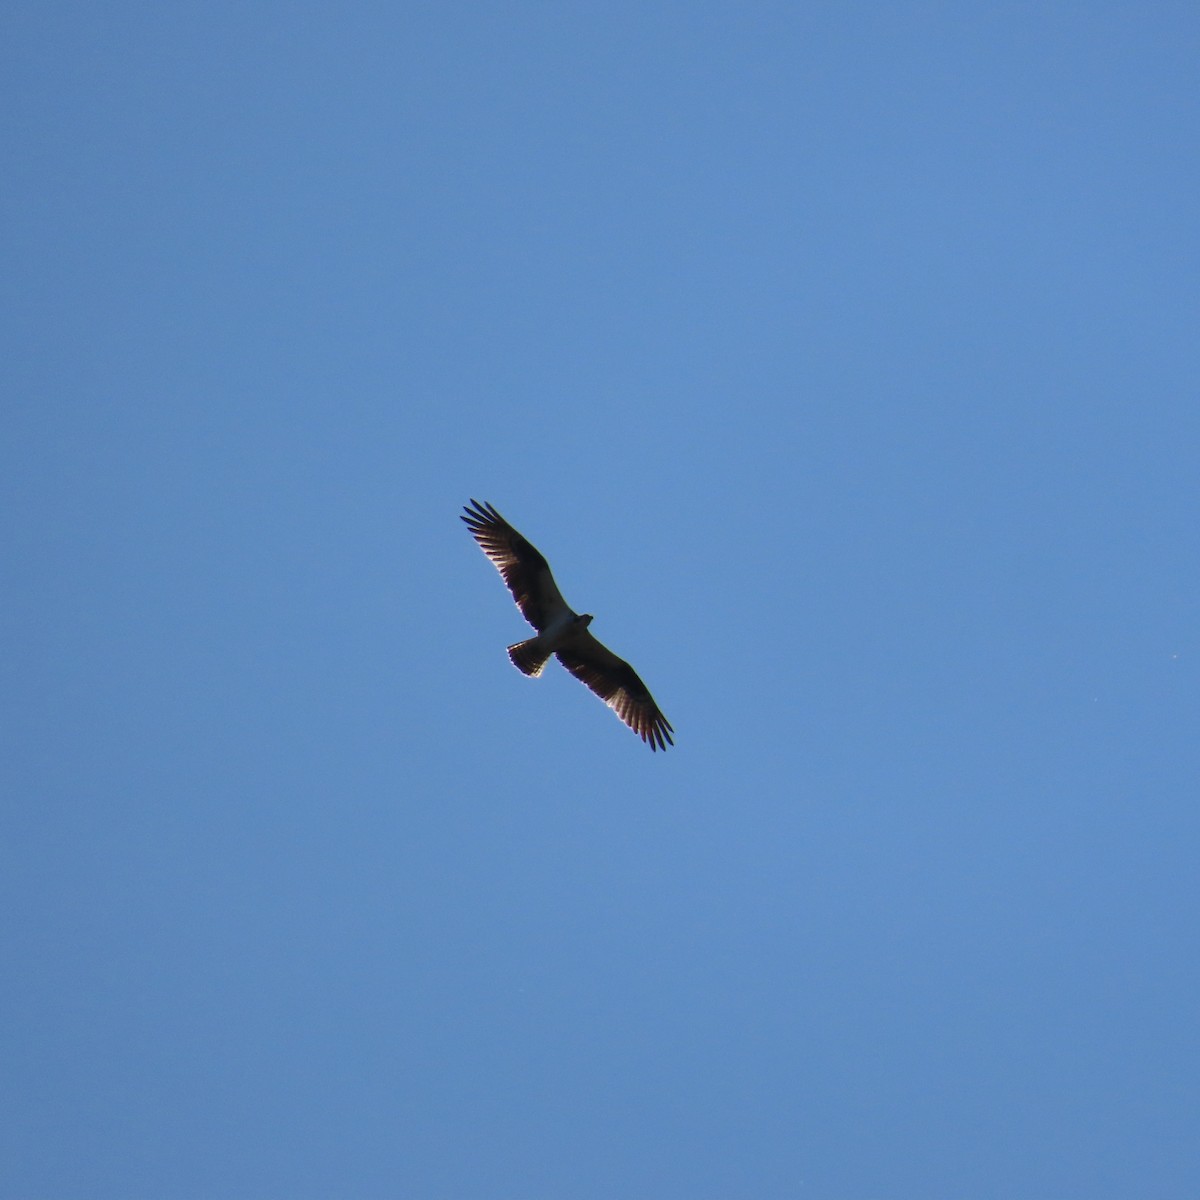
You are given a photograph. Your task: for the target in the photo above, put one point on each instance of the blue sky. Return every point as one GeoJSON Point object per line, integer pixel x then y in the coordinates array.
{"type": "Point", "coordinates": [842, 359]}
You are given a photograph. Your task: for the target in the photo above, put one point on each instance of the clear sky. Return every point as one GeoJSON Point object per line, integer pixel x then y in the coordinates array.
{"type": "Point", "coordinates": [842, 359]}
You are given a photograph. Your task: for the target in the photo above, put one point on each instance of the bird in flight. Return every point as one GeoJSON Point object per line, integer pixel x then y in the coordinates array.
{"type": "Point", "coordinates": [562, 632]}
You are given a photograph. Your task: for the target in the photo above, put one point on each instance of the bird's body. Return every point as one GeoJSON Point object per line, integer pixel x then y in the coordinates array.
{"type": "Point", "coordinates": [561, 631]}
{"type": "Point", "coordinates": [530, 657]}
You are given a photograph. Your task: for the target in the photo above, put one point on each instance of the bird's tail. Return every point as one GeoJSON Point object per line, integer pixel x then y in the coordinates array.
{"type": "Point", "coordinates": [529, 657]}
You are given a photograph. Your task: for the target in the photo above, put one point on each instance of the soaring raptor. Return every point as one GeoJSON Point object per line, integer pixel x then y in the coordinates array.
{"type": "Point", "coordinates": [562, 632]}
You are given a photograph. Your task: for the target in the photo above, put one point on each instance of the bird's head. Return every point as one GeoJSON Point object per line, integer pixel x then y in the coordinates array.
{"type": "Point", "coordinates": [584, 621]}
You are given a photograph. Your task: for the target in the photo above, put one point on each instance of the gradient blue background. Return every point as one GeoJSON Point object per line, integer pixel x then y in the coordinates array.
{"type": "Point", "coordinates": [842, 358]}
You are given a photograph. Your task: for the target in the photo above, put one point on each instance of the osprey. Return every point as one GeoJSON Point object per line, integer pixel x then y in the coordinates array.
{"type": "Point", "coordinates": [562, 632]}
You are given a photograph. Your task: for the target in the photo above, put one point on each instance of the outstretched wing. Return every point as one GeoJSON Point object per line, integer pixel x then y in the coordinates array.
{"type": "Point", "coordinates": [524, 570]}
{"type": "Point", "coordinates": [618, 685]}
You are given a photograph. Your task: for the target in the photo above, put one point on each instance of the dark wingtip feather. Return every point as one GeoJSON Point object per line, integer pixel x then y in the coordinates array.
{"type": "Point", "coordinates": [658, 735]}
{"type": "Point", "coordinates": [478, 517]}
{"type": "Point", "coordinates": [476, 513]}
